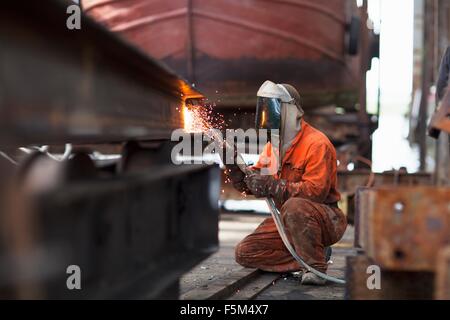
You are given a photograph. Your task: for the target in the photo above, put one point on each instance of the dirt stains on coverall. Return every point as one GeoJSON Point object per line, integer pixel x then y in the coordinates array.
{"type": "Point", "coordinates": [307, 197]}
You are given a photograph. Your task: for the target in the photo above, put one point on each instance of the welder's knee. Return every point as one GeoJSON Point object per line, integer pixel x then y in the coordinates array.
{"type": "Point", "coordinates": [298, 209]}
{"type": "Point", "coordinates": [244, 253]}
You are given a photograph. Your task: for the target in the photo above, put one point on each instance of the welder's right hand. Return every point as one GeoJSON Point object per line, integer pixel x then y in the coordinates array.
{"type": "Point", "coordinates": [236, 177]}
{"type": "Point", "coordinates": [259, 184]}
{"type": "Point", "coordinates": [234, 173]}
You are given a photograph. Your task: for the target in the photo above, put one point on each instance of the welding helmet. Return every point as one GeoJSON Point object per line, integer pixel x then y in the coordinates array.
{"type": "Point", "coordinates": [269, 100]}
{"type": "Point", "coordinates": [278, 107]}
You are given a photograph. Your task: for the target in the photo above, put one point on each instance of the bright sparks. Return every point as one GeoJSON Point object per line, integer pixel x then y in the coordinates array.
{"type": "Point", "coordinates": [188, 118]}
{"type": "Point", "coordinates": [201, 119]}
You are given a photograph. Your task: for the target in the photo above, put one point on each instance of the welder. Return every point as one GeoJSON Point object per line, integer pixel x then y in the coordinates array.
{"type": "Point", "coordinates": [303, 187]}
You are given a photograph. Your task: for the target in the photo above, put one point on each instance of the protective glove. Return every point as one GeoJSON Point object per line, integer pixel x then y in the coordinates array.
{"type": "Point", "coordinates": [260, 185]}
{"type": "Point", "coordinates": [236, 177]}
{"type": "Point", "coordinates": [265, 186]}
{"type": "Point", "coordinates": [234, 173]}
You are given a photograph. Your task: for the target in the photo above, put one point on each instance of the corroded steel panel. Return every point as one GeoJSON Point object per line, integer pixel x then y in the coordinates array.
{"type": "Point", "coordinates": [442, 279]}
{"type": "Point", "coordinates": [403, 228]}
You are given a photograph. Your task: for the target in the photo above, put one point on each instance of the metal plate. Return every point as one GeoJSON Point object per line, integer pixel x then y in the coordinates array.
{"type": "Point", "coordinates": [403, 228]}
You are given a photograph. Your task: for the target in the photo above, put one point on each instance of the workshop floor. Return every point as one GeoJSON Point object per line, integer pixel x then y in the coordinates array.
{"type": "Point", "coordinates": [232, 228]}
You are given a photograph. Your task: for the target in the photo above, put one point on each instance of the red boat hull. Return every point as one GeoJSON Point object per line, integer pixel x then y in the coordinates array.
{"type": "Point", "coordinates": [229, 47]}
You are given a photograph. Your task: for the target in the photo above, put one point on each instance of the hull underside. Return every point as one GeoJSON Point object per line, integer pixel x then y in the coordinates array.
{"type": "Point", "coordinates": [228, 48]}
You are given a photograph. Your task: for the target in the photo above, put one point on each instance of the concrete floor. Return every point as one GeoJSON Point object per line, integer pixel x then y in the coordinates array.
{"type": "Point", "coordinates": [232, 228]}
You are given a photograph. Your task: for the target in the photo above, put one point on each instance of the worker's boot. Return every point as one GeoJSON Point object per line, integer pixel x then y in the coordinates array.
{"type": "Point", "coordinates": [310, 278]}
{"type": "Point", "coordinates": [328, 253]}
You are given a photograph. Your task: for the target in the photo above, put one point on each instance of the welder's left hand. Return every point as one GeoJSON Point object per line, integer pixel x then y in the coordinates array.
{"type": "Point", "coordinates": [259, 184]}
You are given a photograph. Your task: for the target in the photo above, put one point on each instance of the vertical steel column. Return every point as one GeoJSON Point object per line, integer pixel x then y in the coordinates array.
{"type": "Point", "coordinates": [190, 42]}
{"type": "Point", "coordinates": [365, 145]}
{"type": "Point", "coordinates": [427, 74]}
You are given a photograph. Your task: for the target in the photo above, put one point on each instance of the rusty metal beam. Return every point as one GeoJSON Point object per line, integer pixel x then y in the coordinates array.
{"type": "Point", "coordinates": [81, 86]}
{"type": "Point", "coordinates": [428, 65]}
{"type": "Point", "coordinates": [365, 142]}
{"type": "Point", "coordinates": [190, 42]}
{"type": "Point", "coordinates": [403, 228]}
{"type": "Point", "coordinates": [349, 181]}
{"type": "Point", "coordinates": [133, 233]}
{"type": "Point", "coordinates": [442, 279]}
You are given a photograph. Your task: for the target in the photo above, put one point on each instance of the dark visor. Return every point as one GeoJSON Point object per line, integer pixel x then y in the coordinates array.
{"type": "Point", "coordinates": [268, 113]}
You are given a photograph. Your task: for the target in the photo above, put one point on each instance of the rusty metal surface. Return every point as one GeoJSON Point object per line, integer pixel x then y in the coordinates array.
{"type": "Point", "coordinates": [228, 48]}
{"type": "Point", "coordinates": [442, 278]}
{"type": "Point", "coordinates": [361, 205]}
{"type": "Point", "coordinates": [133, 232]}
{"type": "Point", "coordinates": [350, 181]}
{"type": "Point", "coordinates": [403, 228]}
{"type": "Point", "coordinates": [80, 86]}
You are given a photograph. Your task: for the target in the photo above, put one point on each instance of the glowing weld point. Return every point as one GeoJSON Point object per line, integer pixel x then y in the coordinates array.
{"type": "Point", "coordinates": [201, 119]}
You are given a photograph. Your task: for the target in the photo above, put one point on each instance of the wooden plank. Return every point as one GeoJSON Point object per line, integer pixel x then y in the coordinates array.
{"type": "Point", "coordinates": [253, 288]}
{"type": "Point", "coordinates": [222, 287]}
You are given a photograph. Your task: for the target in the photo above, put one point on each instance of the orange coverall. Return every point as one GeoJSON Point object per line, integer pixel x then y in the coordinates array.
{"type": "Point", "coordinates": [308, 204]}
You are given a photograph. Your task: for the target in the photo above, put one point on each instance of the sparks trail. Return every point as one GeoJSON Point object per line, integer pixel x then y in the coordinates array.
{"type": "Point", "coordinates": [203, 119]}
